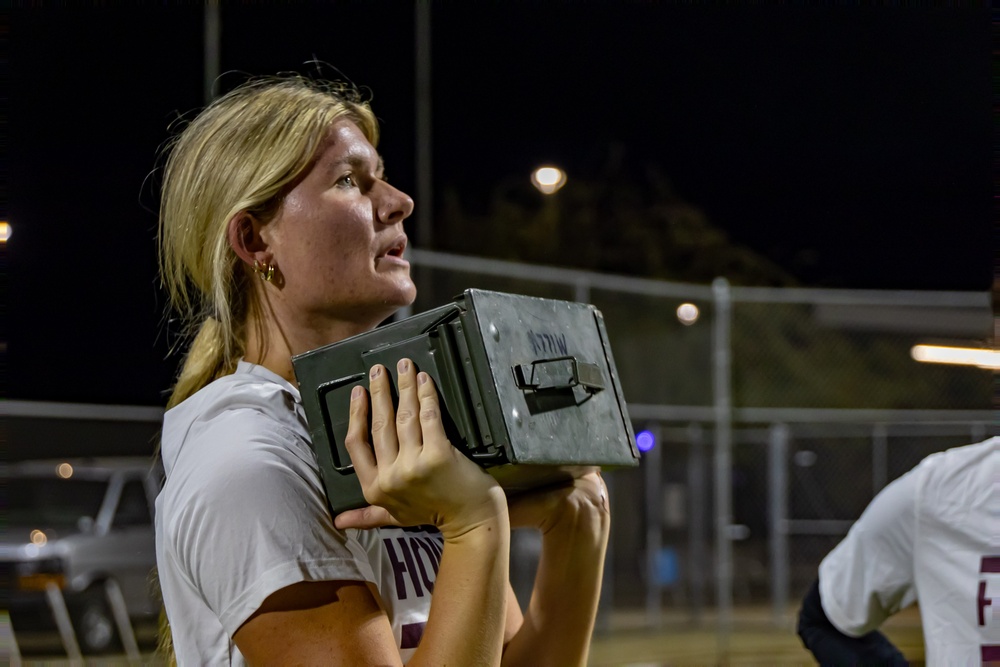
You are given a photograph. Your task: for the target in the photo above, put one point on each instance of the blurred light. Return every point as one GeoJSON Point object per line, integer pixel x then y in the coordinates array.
{"type": "Point", "coordinates": [38, 538]}
{"type": "Point", "coordinates": [688, 313]}
{"type": "Point", "coordinates": [548, 179]}
{"type": "Point", "coordinates": [64, 470]}
{"type": "Point", "coordinates": [5, 231]}
{"type": "Point", "coordinates": [963, 356]}
{"type": "Point", "coordinates": [738, 531]}
{"type": "Point", "coordinates": [645, 441]}
{"type": "Point", "coordinates": [805, 458]}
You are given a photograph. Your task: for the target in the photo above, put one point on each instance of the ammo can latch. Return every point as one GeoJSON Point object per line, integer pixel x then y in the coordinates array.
{"type": "Point", "coordinates": [558, 373]}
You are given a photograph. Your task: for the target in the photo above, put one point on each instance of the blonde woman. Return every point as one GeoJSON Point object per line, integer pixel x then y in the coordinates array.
{"type": "Point", "coordinates": [279, 234]}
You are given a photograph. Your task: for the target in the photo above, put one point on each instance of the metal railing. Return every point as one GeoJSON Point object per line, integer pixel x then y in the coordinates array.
{"type": "Point", "coordinates": [737, 400]}
{"type": "Point", "coordinates": [962, 414]}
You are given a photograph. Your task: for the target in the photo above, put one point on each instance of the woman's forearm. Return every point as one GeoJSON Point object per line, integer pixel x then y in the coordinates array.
{"type": "Point", "coordinates": [559, 621]}
{"type": "Point", "coordinates": [466, 621]}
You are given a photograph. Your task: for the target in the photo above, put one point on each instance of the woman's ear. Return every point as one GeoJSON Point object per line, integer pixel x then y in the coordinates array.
{"type": "Point", "coordinates": [243, 234]}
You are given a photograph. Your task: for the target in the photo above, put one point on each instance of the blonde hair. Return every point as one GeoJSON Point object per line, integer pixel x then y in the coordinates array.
{"type": "Point", "coordinates": [240, 155]}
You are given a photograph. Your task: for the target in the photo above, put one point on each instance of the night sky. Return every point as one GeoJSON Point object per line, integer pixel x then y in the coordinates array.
{"type": "Point", "coordinates": [852, 146]}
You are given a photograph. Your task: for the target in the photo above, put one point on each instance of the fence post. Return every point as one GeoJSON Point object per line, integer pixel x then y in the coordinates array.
{"type": "Point", "coordinates": [722, 394]}
{"type": "Point", "coordinates": [880, 458]}
{"type": "Point", "coordinates": [57, 605]}
{"type": "Point", "coordinates": [116, 600]}
{"type": "Point", "coordinates": [696, 509]}
{"type": "Point", "coordinates": [654, 529]}
{"type": "Point", "coordinates": [424, 126]}
{"type": "Point", "coordinates": [978, 432]}
{"type": "Point", "coordinates": [210, 49]}
{"type": "Point", "coordinates": [9, 650]}
{"type": "Point", "coordinates": [777, 497]}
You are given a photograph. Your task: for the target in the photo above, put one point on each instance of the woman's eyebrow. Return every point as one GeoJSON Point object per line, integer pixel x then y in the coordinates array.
{"type": "Point", "coordinates": [360, 163]}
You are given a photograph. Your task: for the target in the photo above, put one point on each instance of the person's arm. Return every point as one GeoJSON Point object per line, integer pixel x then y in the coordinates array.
{"type": "Point", "coordinates": [864, 580]}
{"type": "Point", "coordinates": [556, 627]}
{"type": "Point", "coordinates": [833, 648]}
{"type": "Point", "coordinates": [412, 476]}
{"type": "Point", "coordinates": [343, 623]}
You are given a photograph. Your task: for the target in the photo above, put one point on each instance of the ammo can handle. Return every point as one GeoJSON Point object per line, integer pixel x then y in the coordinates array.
{"type": "Point", "coordinates": [558, 373]}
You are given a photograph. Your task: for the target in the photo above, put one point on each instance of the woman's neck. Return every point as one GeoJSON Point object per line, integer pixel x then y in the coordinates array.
{"type": "Point", "coordinates": [272, 345]}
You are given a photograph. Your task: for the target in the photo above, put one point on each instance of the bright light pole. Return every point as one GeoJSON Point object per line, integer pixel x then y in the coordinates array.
{"type": "Point", "coordinates": [548, 179]}
{"type": "Point", "coordinates": [962, 356]}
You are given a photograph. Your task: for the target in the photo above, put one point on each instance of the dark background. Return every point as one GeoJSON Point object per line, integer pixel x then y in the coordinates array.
{"type": "Point", "coordinates": [849, 145]}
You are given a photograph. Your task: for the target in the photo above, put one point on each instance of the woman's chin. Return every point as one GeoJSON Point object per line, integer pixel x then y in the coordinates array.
{"type": "Point", "coordinates": [407, 294]}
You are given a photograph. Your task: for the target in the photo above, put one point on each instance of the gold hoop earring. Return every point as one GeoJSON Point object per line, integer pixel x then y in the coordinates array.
{"type": "Point", "coordinates": [263, 270]}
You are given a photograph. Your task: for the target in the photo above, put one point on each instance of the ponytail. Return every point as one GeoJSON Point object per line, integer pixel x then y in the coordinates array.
{"type": "Point", "coordinates": [206, 360]}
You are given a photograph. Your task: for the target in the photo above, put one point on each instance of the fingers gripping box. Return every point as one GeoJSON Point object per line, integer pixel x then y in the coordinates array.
{"type": "Point", "coordinates": [528, 389]}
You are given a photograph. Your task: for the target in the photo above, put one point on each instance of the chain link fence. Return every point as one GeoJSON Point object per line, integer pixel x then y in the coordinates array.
{"type": "Point", "coordinates": [776, 413]}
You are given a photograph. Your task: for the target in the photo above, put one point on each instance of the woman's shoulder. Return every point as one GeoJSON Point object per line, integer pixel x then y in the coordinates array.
{"type": "Point", "coordinates": [252, 404]}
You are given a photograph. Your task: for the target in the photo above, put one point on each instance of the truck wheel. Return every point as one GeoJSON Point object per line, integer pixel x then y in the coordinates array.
{"type": "Point", "coordinates": [95, 626]}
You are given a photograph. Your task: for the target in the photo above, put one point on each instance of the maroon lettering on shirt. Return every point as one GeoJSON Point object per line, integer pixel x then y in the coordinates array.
{"type": "Point", "coordinates": [415, 560]}
{"type": "Point", "coordinates": [402, 567]}
{"type": "Point", "coordinates": [989, 564]}
{"type": "Point", "coordinates": [411, 634]}
{"type": "Point", "coordinates": [982, 602]}
{"type": "Point", "coordinates": [419, 546]}
{"type": "Point", "coordinates": [404, 546]}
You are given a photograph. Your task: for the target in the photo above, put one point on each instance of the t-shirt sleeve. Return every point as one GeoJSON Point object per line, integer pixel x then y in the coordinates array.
{"type": "Point", "coordinates": [259, 521]}
{"type": "Point", "coordinates": [869, 575]}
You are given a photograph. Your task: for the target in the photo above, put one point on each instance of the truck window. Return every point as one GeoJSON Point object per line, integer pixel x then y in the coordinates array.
{"type": "Point", "coordinates": [45, 503]}
{"type": "Point", "coordinates": [133, 509]}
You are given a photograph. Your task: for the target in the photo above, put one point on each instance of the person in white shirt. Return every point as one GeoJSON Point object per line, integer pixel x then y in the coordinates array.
{"type": "Point", "coordinates": [932, 537]}
{"type": "Point", "coordinates": [280, 234]}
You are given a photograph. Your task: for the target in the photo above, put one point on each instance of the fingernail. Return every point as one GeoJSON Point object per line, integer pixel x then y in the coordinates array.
{"type": "Point", "coordinates": [422, 378]}
{"type": "Point", "coordinates": [376, 371]}
{"type": "Point", "coordinates": [403, 365]}
{"type": "Point", "coordinates": [356, 392]}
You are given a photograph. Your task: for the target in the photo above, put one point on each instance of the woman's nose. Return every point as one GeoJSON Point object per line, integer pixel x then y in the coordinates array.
{"type": "Point", "coordinates": [394, 205]}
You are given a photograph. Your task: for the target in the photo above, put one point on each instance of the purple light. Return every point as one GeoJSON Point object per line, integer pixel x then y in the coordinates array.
{"type": "Point", "coordinates": [645, 441]}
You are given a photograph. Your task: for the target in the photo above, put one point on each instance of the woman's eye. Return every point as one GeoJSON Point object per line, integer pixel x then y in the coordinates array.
{"type": "Point", "coordinates": [347, 181]}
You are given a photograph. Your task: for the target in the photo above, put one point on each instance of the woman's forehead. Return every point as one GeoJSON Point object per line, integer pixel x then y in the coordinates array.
{"type": "Point", "coordinates": [346, 144]}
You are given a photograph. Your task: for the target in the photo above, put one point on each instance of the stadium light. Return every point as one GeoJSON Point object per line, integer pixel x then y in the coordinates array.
{"type": "Point", "coordinates": [548, 179]}
{"type": "Point", "coordinates": [5, 231]}
{"type": "Point", "coordinates": [962, 356]}
{"type": "Point", "coordinates": [688, 314]}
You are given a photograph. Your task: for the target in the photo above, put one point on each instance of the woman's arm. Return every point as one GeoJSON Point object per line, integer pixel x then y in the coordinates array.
{"type": "Point", "coordinates": [556, 627]}
{"type": "Point", "coordinates": [343, 622]}
{"type": "Point", "coordinates": [865, 579]}
{"type": "Point", "coordinates": [412, 476]}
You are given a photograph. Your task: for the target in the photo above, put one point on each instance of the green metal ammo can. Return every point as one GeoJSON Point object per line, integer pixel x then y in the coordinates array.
{"type": "Point", "coordinates": [528, 389]}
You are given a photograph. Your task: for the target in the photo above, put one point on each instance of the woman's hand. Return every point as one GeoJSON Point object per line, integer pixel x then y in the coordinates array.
{"type": "Point", "coordinates": [413, 475]}
{"type": "Point", "coordinates": [580, 505]}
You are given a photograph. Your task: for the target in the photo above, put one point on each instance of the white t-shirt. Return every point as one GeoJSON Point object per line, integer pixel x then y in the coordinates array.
{"type": "Point", "coordinates": [932, 535]}
{"type": "Point", "coordinates": [243, 514]}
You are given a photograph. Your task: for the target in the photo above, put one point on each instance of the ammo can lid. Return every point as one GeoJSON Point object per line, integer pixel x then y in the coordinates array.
{"type": "Point", "coordinates": [552, 381]}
